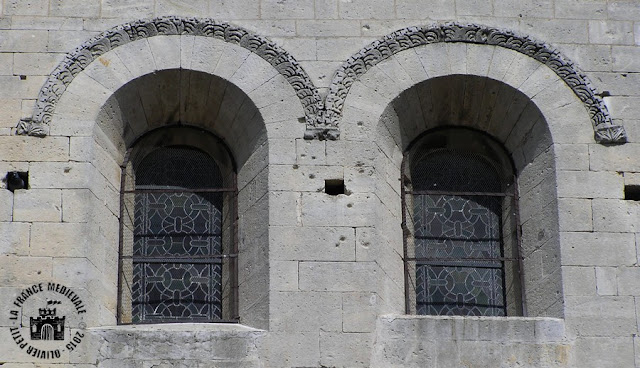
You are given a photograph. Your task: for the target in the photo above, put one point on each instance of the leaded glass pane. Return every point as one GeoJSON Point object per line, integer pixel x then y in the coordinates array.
{"type": "Point", "coordinates": [457, 236]}
{"type": "Point", "coordinates": [177, 237]}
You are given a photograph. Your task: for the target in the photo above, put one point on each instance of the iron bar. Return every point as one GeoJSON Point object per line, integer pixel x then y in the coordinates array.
{"type": "Point", "coordinates": [516, 214]}
{"type": "Point", "coordinates": [443, 192]}
{"type": "Point", "coordinates": [181, 190]}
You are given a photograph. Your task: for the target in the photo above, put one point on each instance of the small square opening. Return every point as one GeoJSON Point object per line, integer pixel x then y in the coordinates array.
{"type": "Point", "coordinates": [632, 192]}
{"type": "Point", "coordinates": [334, 186]}
{"type": "Point", "coordinates": [17, 180]}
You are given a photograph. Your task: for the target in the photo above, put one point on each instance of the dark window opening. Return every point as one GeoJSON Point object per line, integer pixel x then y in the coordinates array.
{"type": "Point", "coordinates": [632, 192]}
{"type": "Point", "coordinates": [334, 186]}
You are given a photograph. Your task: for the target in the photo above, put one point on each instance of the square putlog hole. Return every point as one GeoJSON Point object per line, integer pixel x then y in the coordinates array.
{"type": "Point", "coordinates": [334, 186]}
{"type": "Point", "coordinates": [632, 192]}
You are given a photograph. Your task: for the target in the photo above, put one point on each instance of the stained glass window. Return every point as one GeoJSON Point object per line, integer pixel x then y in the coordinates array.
{"type": "Point", "coordinates": [457, 216]}
{"type": "Point", "coordinates": [177, 237]}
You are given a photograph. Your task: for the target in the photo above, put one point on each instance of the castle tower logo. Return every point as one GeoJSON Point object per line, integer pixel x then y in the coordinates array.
{"type": "Point", "coordinates": [48, 321]}
{"type": "Point", "coordinates": [47, 326]}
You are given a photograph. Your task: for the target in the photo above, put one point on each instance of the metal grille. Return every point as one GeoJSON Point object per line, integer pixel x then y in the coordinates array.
{"type": "Point", "coordinates": [177, 255]}
{"type": "Point", "coordinates": [457, 216]}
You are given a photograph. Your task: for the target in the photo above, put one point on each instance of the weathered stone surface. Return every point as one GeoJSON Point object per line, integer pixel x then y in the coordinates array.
{"type": "Point", "coordinates": [43, 205]}
{"type": "Point", "coordinates": [312, 243]}
{"type": "Point", "coordinates": [359, 312]}
{"type": "Point", "coordinates": [597, 249]}
{"type": "Point", "coordinates": [579, 280]}
{"type": "Point", "coordinates": [345, 349]}
{"type": "Point", "coordinates": [303, 311]}
{"type": "Point", "coordinates": [338, 276]}
{"type": "Point", "coordinates": [589, 184]}
{"type": "Point", "coordinates": [15, 238]}
{"type": "Point", "coordinates": [606, 283]}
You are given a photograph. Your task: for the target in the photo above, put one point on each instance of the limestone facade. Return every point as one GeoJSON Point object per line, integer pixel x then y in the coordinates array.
{"type": "Point", "coordinates": [306, 93]}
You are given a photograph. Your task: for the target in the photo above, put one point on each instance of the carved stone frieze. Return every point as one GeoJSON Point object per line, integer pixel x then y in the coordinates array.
{"type": "Point", "coordinates": [77, 60]}
{"type": "Point", "coordinates": [411, 37]}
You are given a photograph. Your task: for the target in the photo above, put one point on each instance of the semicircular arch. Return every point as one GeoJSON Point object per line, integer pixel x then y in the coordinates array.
{"type": "Point", "coordinates": [441, 50]}
{"type": "Point", "coordinates": [239, 48]}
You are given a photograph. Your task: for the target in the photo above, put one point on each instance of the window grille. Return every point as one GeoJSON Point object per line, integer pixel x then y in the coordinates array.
{"type": "Point", "coordinates": [461, 251]}
{"type": "Point", "coordinates": [178, 256]}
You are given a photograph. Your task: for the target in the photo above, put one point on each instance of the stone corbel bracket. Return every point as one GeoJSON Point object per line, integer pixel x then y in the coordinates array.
{"type": "Point", "coordinates": [77, 60]}
{"type": "Point", "coordinates": [605, 131]}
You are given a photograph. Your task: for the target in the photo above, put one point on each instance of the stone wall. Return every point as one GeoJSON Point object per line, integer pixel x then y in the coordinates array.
{"type": "Point", "coordinates": [322, 275]}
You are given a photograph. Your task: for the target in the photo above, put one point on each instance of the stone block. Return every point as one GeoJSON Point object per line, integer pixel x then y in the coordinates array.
{"type": "Point", "coordinates": [336, 49]}
{"type": "Point", "coordinates": [275, 9]}
{"type": "Point", "coordinates": [60, 239]}
{"type": "Point", "coordinates": [181, 8]}
{"type": "Point", "coordinates": [574, 214]}
{"type": "Point", "coordinates": [627, 280]}
{"type": "Point", "coordinates": [438, 9]}
{"type": "Point", "coordinates": [357, 209]}
{"type": "Point", "coordinates": [284, 208]}
{"type": "Point", "coordinates": [589, 184]}
{"type": "Point", "coordinates": [305, 311]}
{"type": "Point", "coordinates": [623, 107]}
{"type": "Point", "coordinates": [606, 283]}
{"type": "Point", "coordinates": [15, 238]}
{"type": "Point", "coordinates": [528, 9]}
{"type": "Point", "coordinates": [74, 8]}
{"type": "Point", "coordinates": [6, 205]}
{"type": "Point", "coordinates": [597, 249]}
{"type": "Point", "coordinates": [572, 156]}
{"type": "Point", "coordinates": [292, 349]}
{"type": "Point", "coordinates": [623, 10]}
{"type": "Point", "coordinates": [138, 56]}
{"type": "Point", "coordinates": [604, 352]}
{"type": "Point", "coordinates": [165, 51]}
{"type": "Point", "coordinates": [625, 58]}
{"type": "Point", "coordinates": [42, 205]}
{"type": "Point", "coordinates": [581, 9]}
{"type": "Point", "coordinates": [359, 312]}
{"type": "Point", "coordinates": [78, 205]}
{"type": "Point", "coordinates": [19, 7]}
{"type": "Point", "coordinates": [239, 9]}
{"type": "Point", "coordinates": [34, 63]}
{"type": "Point", "coordinates": [23, 148]}
{"type": "Point", "coordinates": [338, 276]}
{"type": "Point", "coordinates": [616, 215]}
{"type": "Point", "coordinates": [611, 32]}
{"type": "Point", "coordinates": [600, 316]}
{"type": "Point", "coordinates": [254, 72]}
{"type": "Point", "coordinates": [10, 111]}
{"type": "Point", "coordinates": [556, 30]}
{"type": "Point", "coordinates": [284, 275]}
{"type": "Point", "coordinates": [590, 57]}
{"type": "Point", "coordinates": [352, 153]}
{"type": "Point", "coordinates": [328, 28]}
{"type": "Point", "coordinates": [579, 280]}
{"type": "Point", "coordinates": [617, 83]}
{"type": "Point", "coordinates": [366, 9]}
{"type": "Point", "coordinates": [345, 349]}
{"type": "Point", "coordinates": [66, 41]}
{"type": "Point", "coordinates": [312, 243]}
{"type": "Point", "coordinates": [326, 9]}
{"type": "Point", "coordinates": [16, 88]}
{"type": "Point", "coordinates": [43, 175]}
{"type": "Point", "coordinates": [116, 8]}
{"type": "Point", "coordinates": [22, 271]}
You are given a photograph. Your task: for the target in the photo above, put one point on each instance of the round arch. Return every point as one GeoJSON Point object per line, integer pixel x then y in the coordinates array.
{"type": "Point", "coordinates": [176, 42]}
{"type": "Point", "coordinates": [413, 54]}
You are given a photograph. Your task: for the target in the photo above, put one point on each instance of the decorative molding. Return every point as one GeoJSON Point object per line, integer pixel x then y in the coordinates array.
{"type": "Point", "coordinates": [407, 38]}
{"type": "Point", "coordinates": [77, 60]}
{"type": "Point", "coordinates": [31, 127]}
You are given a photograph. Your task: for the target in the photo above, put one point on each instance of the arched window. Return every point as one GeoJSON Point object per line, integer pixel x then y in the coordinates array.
{"type": "Point", "coordinates": [461, 240]}
{"type": "Point", "coordinates": [178, 255]}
